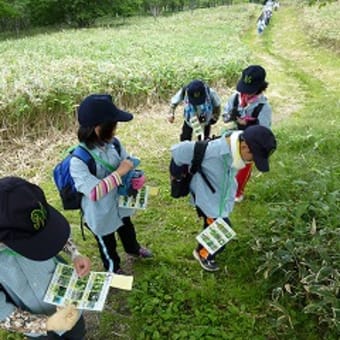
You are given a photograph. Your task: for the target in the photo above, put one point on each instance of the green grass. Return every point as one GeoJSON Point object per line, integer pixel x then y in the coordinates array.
{"type": "Point", "coordinates": [145, 60]}
{"type": "Point", "coordinates": [287, 228]}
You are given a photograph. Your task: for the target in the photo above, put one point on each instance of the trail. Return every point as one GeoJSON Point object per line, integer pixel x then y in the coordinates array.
{"type": "Point", "coordinates": [297, 71]}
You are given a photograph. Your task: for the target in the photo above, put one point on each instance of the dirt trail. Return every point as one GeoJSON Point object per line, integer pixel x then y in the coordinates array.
{"type": "Point", "coordinates": [293, 65]}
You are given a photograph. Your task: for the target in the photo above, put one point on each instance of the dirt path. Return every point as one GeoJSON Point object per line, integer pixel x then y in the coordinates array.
{"type": "Point", "coordinates": [296, 70]}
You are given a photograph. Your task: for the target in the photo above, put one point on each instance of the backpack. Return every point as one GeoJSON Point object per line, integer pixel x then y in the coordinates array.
{"type": "Point", "coordinates": [235, 113]}
{"type": "Point", "coordinates": [63, 180]}
{"type": "Point", "coordinates": [180, 176]}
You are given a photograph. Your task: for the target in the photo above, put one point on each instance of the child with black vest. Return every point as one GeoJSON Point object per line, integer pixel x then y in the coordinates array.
{"type": "Point", "coordinates": [248, 107]}
{"type": "Point", "coordinates": [202, 108]}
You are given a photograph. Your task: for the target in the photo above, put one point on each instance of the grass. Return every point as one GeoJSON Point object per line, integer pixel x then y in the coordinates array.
{"type": "Point", "coordinates": [144, 60]}
{"type": "Point", "coordinates": [289, 219]}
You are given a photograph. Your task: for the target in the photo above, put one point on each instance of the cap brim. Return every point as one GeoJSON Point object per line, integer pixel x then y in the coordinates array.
{"type": "Point", "coordinates": [46, 243]}
{"type": "Point", "coordinates": [122, 116]}
{"type": "Point", "coordinates": [262, 164]}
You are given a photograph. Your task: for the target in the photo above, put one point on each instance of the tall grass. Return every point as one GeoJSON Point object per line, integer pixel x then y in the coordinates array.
{"type": "Point", "coordinates": [280, 277]}
{"type": "Point", "coordinates": [322, 24]}
{"type": "Point", "coordinates": [44, 76]}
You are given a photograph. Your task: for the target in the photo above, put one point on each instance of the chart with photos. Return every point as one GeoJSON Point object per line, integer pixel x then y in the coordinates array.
{"type": "Point", "coordinates": [196, 126]}
{"type": "Point", "coordinates": [138, 202]}
{"type": "Point", "coordinates": [216, 235]}
{"type": "Point", "coordinates": [67, 288]}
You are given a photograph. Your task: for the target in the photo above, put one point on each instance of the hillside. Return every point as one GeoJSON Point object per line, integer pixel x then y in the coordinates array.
{"type": "Point", "coordinates": [280, 278]}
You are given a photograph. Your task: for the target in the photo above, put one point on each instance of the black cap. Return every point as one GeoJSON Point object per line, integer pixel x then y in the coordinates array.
{"type": "Point", "coordinates": [28, 224]}
{"type": "Point", "coordinates": [262, 143]}
{"type": "Point", "coordinates": [99, 108]}
{"type": "Point", "coordinates": [196, 92]}
{"type": "Point", "coordinates": [252, 79]}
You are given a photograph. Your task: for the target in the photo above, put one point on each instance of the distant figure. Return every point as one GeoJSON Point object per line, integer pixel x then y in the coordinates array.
{"type": "Point", "coordinates": [202, 107]}
{"type": "Point", "coordinates": [261, 24]}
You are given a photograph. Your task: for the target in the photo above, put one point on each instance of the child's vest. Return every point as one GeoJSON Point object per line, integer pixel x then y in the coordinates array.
{"type": "Point", "coordinates": [203, 112]}
{"type": "Point", "coordinates": [180, 176]}
{"type": "Point", "coordinates": [253, 117]}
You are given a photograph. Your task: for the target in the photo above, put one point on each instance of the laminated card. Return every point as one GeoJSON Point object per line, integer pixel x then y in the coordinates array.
{"type": "Point", "coordinates": [216, 235]}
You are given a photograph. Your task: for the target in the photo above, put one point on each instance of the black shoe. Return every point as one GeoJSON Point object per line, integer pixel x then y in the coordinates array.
{"type": "Point", "coordinates": [208, 265]}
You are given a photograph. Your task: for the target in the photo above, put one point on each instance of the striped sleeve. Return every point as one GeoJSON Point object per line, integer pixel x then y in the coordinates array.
{"type": "Point", "coordinates": [105, 186]}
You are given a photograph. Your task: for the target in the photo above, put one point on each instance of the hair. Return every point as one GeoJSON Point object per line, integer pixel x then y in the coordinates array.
{"type": "Point", "coordinates": [262, 88]}
{"type": "Point", "coordinates": [88, 136]}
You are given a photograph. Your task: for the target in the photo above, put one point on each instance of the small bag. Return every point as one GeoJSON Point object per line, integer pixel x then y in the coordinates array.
{"type": "Point", "coordinates": [180, 179]}
{"type": "Point", "coordinates": [180, 176]}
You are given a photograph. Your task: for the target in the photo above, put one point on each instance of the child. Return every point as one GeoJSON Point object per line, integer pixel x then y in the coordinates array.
{"type": "Point", "coordinates": [201, 102]}
{"type": "Point", "coordinates": [223, 157]}
{"type": "Point", "coordinates": [248, 107]}
{"type": "Point", "coordinates": [32, 233]}
{"type": "Point", "coordinates": [98, 118]}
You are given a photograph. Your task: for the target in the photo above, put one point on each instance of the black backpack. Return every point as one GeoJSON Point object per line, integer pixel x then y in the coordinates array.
{"type": "Point", "coordinates": [235, 113]}
{"type": "Point", "coordinates": [180, 176]}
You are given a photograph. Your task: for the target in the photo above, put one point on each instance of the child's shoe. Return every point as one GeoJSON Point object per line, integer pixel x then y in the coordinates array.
{"type": "Point", "coordinates": [208, 265]}
{"type": "Point", "coordinates": [239, 199]}
{"type": "Point", "coordinates": [145, 253]}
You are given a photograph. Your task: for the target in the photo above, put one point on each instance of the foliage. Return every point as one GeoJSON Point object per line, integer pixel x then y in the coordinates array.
{"type": "Point", "coordinates": [18, 14]}
{"type": "Point", "coordinates": [43, 88]}
{"type": "Point", "coordinates": [322, 25]}
{"type": "Point", "coordinates": [280, 278]}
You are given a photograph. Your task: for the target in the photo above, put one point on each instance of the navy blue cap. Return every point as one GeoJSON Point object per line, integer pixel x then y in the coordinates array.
{"type": "Point", "coordinates": [28, 224]}
{"type": "Point", "coordinates": [99, 108]}
{"type": "Point", "coordinates": [252, 79]}
{"type": "Point", "coordinates": [262, 143]}
{"type": "Point", "coordinates": [197, 93]}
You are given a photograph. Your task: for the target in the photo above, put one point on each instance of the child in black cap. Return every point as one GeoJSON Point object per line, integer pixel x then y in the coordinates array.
{"type": "Point", "coordinates": [32, 233]}
{"type": "Point", "coordinates": [228, 154]}
{"type": "Point", "coordinates": [248, 107]}
{"type": "Point", "coordinates": [98, 118]}
{"type": "Point", "coordinates": [202, 108]}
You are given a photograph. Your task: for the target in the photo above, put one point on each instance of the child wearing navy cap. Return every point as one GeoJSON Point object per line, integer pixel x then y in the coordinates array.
{"type": "Point", "coordinates": [202, 108]}
{"type": "Point", "coordinates": [228, 154]}
{"type": "Point", "coordinates": [32, 233]}
{"type": "Point", "coordinates": [98, 118]}
{"type": "Point", "coordinates": [248, 107]}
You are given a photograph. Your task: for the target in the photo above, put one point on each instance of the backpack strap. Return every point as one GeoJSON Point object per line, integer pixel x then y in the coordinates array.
{"type": "Point", "coordinates": [84, 155]}
{"type": "Point", "coordinates": [234, 111]}
{"type": "Point", "coordinates": [196, 164]}
{"type": "Point", "coordinates": [257, 110]}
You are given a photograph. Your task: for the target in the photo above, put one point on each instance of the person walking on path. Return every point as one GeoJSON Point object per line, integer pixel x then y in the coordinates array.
{"type": "Point", "coordinates": [98, 118]}
{"type": "Point", "coordinates": [202, 109]}
{"type": "Point", "coordinates": [222, 159]}
{"type": "Point", "coordinates": [32, 233]}
{"type": "Point", "coordinates": [247, 107]}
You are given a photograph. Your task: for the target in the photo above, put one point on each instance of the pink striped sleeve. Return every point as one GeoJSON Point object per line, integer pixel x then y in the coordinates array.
{"type": "Point", "coordinates": [105, 185]}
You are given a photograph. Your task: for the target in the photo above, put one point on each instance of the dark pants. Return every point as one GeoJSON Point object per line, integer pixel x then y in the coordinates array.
{"type": "Point", "coordinates": [206, 222]}
{"type": "Point", "coordinates": [108, 245]}
{"type": "Point", "coordinates": [76, 333]}
{"type": "Point", "coordinates": [187, 132]}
